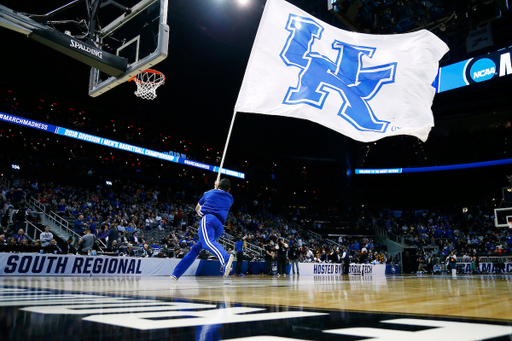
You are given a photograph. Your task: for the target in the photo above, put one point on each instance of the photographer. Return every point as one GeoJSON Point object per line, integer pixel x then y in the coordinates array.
{"type": "Point", "coordinates": [269, 257]}
{"type": "Point", "coordinates": [282, 253]}
{"type": "Point", "coordinates": [294, 257]}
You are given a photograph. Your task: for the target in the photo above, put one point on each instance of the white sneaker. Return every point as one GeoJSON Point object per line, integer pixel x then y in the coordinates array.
{"type": "Point", "coordinates": [174, 278]}
{"type": "Point", "coordinates": [228, 265]}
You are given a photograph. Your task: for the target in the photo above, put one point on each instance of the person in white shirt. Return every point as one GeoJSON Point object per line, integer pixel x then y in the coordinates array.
{"type": "Point", "coordinates": [309, 255]}
{"type": "Point", "coordinates": [46, 237]}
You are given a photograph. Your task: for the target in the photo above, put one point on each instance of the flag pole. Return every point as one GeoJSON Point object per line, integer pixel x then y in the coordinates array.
{"type": "Point", "coordinates": [226, 146]}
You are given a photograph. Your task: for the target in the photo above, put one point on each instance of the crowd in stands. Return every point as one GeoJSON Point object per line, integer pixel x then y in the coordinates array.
{"type": "Point", "coordinates": [467, 233]}
{"type": "Point", "coordinates": [135, 220]}
{"type": "Point", "coordinates": [438, 237]}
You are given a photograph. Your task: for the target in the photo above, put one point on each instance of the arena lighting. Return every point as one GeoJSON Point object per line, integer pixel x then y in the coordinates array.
{"type": "Point", "coordinates": [434, 168]}
{"type": "Point", "coordinates": [113, 144]}
{"type": "Point", "coordinates": [243, 2]}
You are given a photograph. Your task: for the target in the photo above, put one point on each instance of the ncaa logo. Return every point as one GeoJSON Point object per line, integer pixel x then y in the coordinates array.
{"type": "Point", "coordinates": [483, 70]}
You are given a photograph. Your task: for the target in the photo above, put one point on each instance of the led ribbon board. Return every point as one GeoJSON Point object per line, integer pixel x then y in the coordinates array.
{"type": "Point", "coordinates": [114, 144]}
{"type": "Point", "coordinates": [474, 70]}
{"type": "Point", "coordinates": [434, 168]}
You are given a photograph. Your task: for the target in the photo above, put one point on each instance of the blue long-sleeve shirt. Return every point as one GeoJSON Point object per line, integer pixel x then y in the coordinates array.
{"type": "Point", "coordinates": [216, 202]}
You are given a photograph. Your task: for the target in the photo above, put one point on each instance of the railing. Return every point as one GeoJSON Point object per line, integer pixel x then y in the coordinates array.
{"type": "Point", "coordinates": [222, 241]}
{"type": "Point", "coordinates": [316, 235]}
{"type": "Point", "coordinates": [228, 241]}
{"type": "Point", "coordinates": [126, 196]}
{"type": "Point", "coordinates": [383, 232]}
{"type": "Point", "coordinates": [32, 201]}
{"type": "Point", "coordinates": [332, 242]}
{"type": "Point", "coordinates": [295, 225]}
{"type": "Point", "coordinates": [58, 224]}
{"type": "Point", "coordinates": [255, 250]}
{"type": "Point", "coordinates": [62, 225]}
{"type": "Point", "coordinates": [33, 232]}
{"type": "Point", "coordinates": [57, 219]}
{"type": "Point", "coordinates": [6, 181]}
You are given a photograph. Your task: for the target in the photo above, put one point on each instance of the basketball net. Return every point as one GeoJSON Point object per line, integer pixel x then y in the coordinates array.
{"type": "Point", "coordinates": [147, 82]}
{"type": "Point", "coordinates": [509, 224]}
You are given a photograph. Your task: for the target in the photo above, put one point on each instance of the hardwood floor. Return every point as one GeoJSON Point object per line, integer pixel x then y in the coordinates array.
{"type": "Point", "coordinates": [151, 303]}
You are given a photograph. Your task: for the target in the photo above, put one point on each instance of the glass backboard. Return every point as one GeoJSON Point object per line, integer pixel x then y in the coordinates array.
{"type": "Point", "coordinates": [141, 35]}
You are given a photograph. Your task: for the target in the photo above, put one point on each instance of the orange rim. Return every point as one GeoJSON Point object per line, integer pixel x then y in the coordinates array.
{"type": "Point", "coordinates": [148, 71]}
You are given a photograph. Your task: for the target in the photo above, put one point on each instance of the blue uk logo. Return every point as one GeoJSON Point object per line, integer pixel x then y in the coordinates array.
{"type": "Point", "coordinates": [321, 77]}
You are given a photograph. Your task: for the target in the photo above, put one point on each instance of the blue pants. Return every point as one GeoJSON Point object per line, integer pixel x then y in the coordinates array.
{"type": "Point", "coordinates": [210, 229]}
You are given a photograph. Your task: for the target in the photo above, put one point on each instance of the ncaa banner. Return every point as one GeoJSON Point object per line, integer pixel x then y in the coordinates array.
{"type": "Point", "coordinates": [486, 267]}
{"type": "Point", "coordinates": [32, 264]}
{"type": "Point", "coordinates": [363, 86]}
{"type": "Point", "coordinates": [336, 269]}
{"type": "Point", "coordinates": [321, 269]}
{"type": "Point", "coordinates": [367, 269]}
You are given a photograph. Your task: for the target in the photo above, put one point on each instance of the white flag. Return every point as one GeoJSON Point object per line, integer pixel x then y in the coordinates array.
{"type": "Point", "coordinates": [363, 86]}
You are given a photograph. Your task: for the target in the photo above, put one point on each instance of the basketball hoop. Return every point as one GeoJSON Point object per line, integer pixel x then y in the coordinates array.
{"type": "Point", "coordinates": [509, 223]}
{"type": "Point", "coordinates": [147, 82]}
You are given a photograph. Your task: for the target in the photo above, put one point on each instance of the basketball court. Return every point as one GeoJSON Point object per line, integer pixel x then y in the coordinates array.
{"type": "Point", "coordinates": [134, 38]}
{"type": "Point", "coordinates": [257, 308]}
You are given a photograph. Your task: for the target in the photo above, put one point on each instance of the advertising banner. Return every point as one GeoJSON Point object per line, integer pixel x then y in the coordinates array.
{"type": "Point", "coordinates": [167, 156]}
{"type": "Point", "coordinates": [33, 264]}
{"type": "Point", "coordinates": [475, 70]}
{"type": "Point", "coordinates": [335, 269]}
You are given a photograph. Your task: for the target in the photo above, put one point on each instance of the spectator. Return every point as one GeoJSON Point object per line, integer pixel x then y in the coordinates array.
{"type": "Point", "coordinates": [19, 236]}
{"type": "Point", "coordinates": [79, 225]}
{"type": "Point", "coordinates": [146, 251]}
{"type": "Point", "coordinates": [104, 233]}
{"type": "Point", "coordinates": [134, 238]}
{"type": "Point", "coordinates": [86, 242]}
{"type": "Point", "coordinates": [113, 247]}
{"type": "Point", "coordinates": [61, 208]}
{"type": "Point", "coordinates": [19, 217]}
{"type": "Point", "coordinates": [46, 236]}
{"type": "Point", "coordinates": [421, 264]}
{"type": "Point", "coordinates": [437, 269]}
{"type": "Point", "coordinates": [129, 251]}
{"type": "Point", "coordinates": [53, 247]}
{"type": "Point", "coordinates": [114, 234]}
{"type": "Point", "coordinates": [68, 248]}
